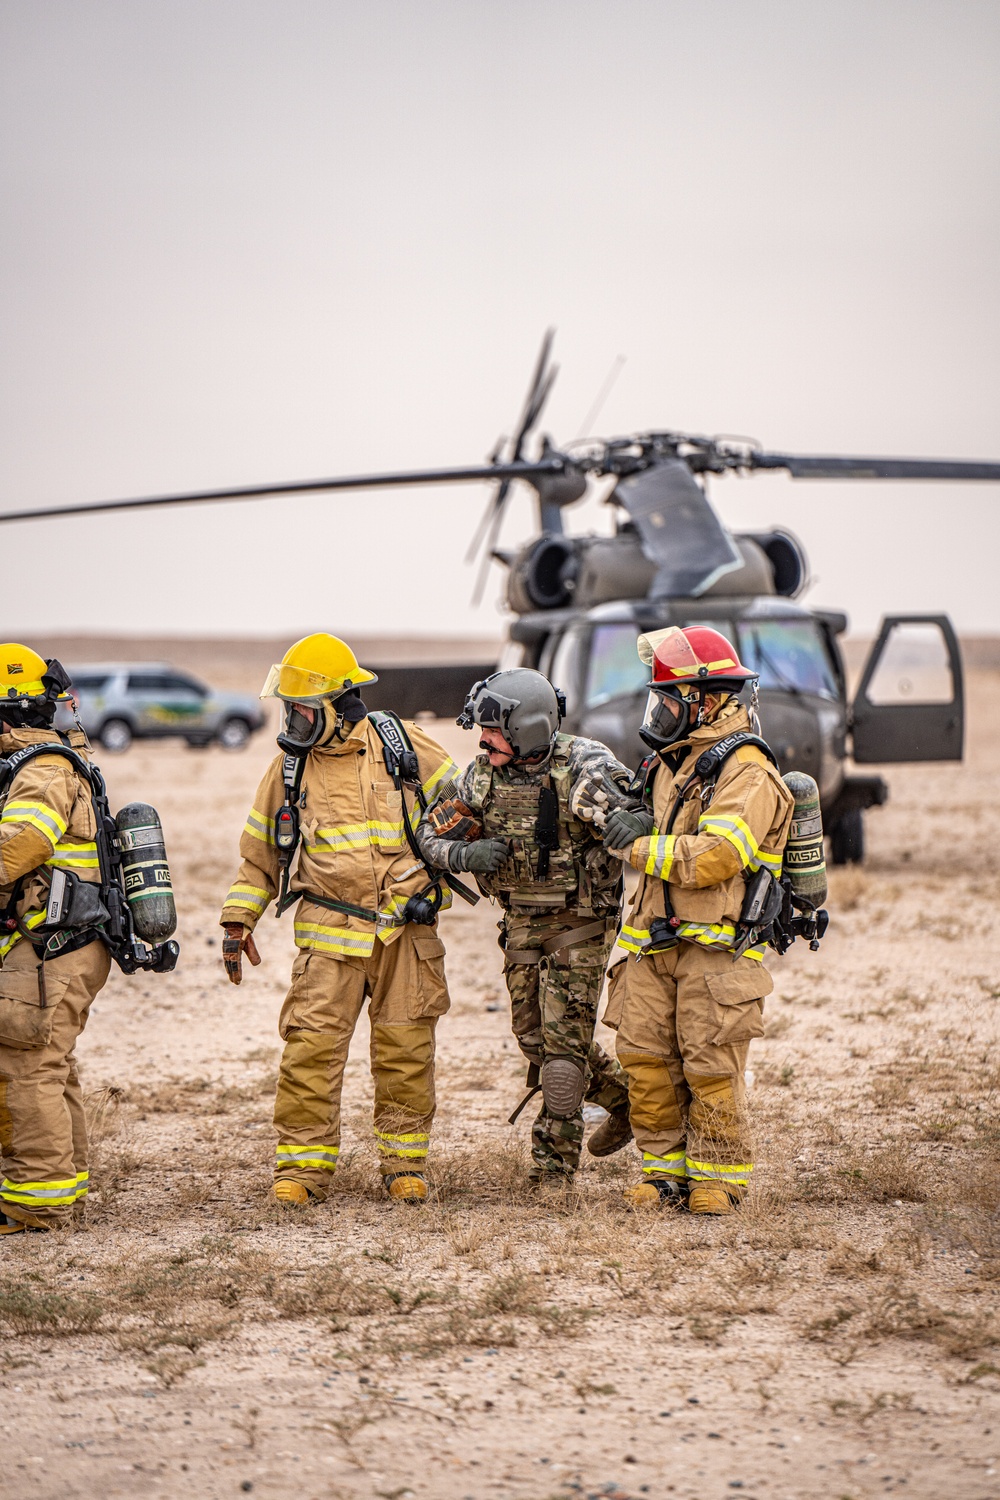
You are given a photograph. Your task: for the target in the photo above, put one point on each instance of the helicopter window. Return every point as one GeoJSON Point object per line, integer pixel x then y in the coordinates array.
{"type": "Point", "coordinates": [563, 668]}
{"type": "Point", "coordinates": [614, 668]}
{"type": "Point", "coordinates": [789, 655]}
{"type": "Point", "coordinates": [914, 667]}
{"type": "Point", "coordinates": [511, 655]}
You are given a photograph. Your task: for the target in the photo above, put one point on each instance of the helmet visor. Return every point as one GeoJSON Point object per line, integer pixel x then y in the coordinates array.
{"type": "Point", "coordinates": [297, 685]}
{"type": "Point", "coordinates": [666, 715]}
{"type": "Point", "coordinates": [669, 653]}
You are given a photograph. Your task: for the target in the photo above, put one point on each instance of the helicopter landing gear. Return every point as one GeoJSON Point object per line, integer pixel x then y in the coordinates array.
{"type": "Point", "coordinates": [847, 838]}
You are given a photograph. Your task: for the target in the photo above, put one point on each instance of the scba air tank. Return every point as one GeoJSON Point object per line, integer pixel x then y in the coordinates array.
{"type": "Point", "coordinates": [804, 862]}
{"type": "Point", "coordinates": [145, 871]}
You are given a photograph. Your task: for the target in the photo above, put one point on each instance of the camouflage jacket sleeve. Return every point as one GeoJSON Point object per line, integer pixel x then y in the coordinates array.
{"type": "Point", "coordinates": [451, 819]}
{"type": "Point", "coordinates": [256, 883]}
{"type": "Point", "coordinates": [600, 782]}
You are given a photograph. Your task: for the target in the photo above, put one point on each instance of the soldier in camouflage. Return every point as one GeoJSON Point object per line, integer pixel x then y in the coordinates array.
{"type": "Point", "coordinates": [526, 817]}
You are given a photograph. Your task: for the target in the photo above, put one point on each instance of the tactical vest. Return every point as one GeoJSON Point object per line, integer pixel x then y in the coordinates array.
{"type": "Point", "coordinates": [581, 875]}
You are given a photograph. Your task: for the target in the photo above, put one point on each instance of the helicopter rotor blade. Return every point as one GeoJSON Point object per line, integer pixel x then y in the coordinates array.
{"type": "Point", "coordinates": [491, 536]}
{"type": "Point", "coordinates": [488, 530]}
{"type": "Point", "coordinates": [678, 528]}
{"type": "Point", "coordinates": [518, 470]}
{"type": "Point", "coordinates": [818, 466]}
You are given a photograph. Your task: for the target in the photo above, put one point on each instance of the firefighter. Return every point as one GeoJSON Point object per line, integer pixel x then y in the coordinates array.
{"type": "Point", "coordinates": [365, 924]}
{"type": "Point", "coordinates": [516, 819]}
{"type": "Point", "coordinates": [47, 822]}
{"type": "Point", "coordinates": [685, 1008]}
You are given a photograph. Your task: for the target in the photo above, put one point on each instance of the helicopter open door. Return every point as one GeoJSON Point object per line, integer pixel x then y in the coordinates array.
{"type": "Point", "coordinates": [910, 704]}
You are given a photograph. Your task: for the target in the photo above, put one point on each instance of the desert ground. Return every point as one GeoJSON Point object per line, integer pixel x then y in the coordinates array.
{"type": "Point", "coordinates": [838, 1337]}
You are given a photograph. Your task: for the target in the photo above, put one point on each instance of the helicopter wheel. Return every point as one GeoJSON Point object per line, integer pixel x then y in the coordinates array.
{"type": "Point", "coordinates": [847, 838]}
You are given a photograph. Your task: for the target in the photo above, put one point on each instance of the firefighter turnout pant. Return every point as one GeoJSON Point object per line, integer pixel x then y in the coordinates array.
{"type": "Point", "coordinates": [554, 1002]}
{"type": "Point", "coordinates": [685, 1019]}
{"type": "Point", "coordinates": [43, 1131]}
{"type": "Point", "coordinates": [404, 984]}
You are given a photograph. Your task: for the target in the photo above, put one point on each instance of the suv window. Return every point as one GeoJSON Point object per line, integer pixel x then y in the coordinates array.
{"type": "Point", "coordinates": [163, 682]}
{"type": "Point", "coordinates": [89, 682]}
{"type": "Point", "coordinates": [614, 668]}
{"type": "Point", "coordinates": [788, 654]}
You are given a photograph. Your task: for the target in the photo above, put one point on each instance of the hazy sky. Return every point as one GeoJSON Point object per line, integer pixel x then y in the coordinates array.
{"type": "Point", "coordinates": [256, 241]}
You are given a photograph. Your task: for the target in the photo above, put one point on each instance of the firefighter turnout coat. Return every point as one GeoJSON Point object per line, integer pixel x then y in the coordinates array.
{"type": "Point", "coordinates": [47, 822]}
{"type": "Point", "coordinates": [685, 1016]}
{"type": "Point", "coordinates": [353, 850]}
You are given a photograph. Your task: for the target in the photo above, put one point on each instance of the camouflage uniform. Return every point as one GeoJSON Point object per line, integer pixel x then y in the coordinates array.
{"type": "Point", "coordinates": [554, 994]}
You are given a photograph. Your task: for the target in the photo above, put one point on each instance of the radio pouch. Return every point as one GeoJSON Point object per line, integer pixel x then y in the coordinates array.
{"type": "Point", "coordinates": [73, 905]}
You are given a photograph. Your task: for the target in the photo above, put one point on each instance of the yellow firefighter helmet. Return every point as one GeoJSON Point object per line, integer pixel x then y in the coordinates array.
{"type": "Point", "coordinates": [22, 669]}
{"type": "Point", "coordinates": [318, 666]}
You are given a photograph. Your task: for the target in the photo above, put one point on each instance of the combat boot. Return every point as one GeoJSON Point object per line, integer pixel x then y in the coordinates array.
{"type": "Point", "coordinates": [292, 1194]}
{"type": "Point", "coordinates": [406, 1187]}
{"type": "Point", "coordinates": [612, 1134]}
{"type": "Point", "coordinates": [714, 1197]}
{"type": "Point", "coordinates": [549, 1179]}
{"type": "Point", "coordinates": [657, 1192]}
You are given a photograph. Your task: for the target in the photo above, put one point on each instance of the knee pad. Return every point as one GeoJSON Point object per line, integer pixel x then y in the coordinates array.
{"type": "Point", "coordinates": [563, 1086]}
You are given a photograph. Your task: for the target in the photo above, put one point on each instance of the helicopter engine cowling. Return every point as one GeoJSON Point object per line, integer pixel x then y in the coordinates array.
{"type": "Point", "coordinates": [543, 574]}
{"type": "Point", "coordinates": [787, 557]}
{"type": "Point", "coordinates": [554, 572]}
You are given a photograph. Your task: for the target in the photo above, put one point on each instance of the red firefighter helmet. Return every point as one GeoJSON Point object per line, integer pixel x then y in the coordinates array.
{"type": "Point", "coordinates": [694, 655]}
{"type": "Point", "coordinates": [687, 666]}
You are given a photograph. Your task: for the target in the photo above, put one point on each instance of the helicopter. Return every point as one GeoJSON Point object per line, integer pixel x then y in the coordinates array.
{"type": "Point", "coordinates": [580, 601]}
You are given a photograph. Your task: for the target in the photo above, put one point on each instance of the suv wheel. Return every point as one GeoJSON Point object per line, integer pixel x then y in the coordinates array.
{"type": "Point", "coordinates": [116, 736]}
{"type": "Point", "coordinates": [234, 734]}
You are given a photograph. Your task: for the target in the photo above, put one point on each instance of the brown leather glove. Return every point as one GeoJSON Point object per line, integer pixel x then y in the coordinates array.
{"type": "Point", "coordinates": [235, 943]}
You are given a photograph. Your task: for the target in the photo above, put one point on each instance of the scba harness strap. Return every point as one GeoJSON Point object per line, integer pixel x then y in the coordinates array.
{"type": "Point", "coordinates": [403, 766]}
{"type": "Point", "coordinates": [116, 928]}
{"type": "Point", "coordinates": [707, 769]}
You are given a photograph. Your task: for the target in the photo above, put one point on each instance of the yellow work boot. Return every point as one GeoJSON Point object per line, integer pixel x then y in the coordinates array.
{"type": "Point", "coordinates": [18, 1226]}
{"type": "Point", "coordinates": [658, 1192]}
{"type": "Point", "coordinates": [291, 1194]}
{"type": "Point", "coordinates": [406, 1187]}
{"type": "Point", "coordinates": [713, 1198]}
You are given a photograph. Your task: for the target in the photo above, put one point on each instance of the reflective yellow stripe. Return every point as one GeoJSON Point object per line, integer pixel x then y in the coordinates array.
{"type": "Point", "coordinates": [671, 1165]}
{"type": "Point", "coordinates": [446, 771]}
{"type": "Point", "coordinates": [252, 897]}
{"type": "Point", "coordinates": [632, 938]}
{"type": "Point", "coordinates": [772, 862]}
{"type": "Point", "coordinates": [82, 1184]}
{"type": "Point", "coordinates": [707, 934]}
{"type": "Point", "coordinates": [735, 832]}
{"type": "Point", "coordinates": [258, 826]}
{"type": "Point", "coordinates": [74, 856]}
{"type": "Point", "coordinates": [358, 835]}
{"type": "Point", "coordinates": [322, 1157]}
{"type": "Point", "coordinates": [37, 815]}
{"type": "Point", "coordinates": [661, 855]}
{"type": "Point", "coordinates": [31, 920]}
{"type": "Point", "coordinates": [334, 939]}
{"type": "Point", "coordinates": [40, 1194]}
{"type": "Point", "coordinates": [414, 1144]}
{"type": "Point", "coordinates": [706, 1171]}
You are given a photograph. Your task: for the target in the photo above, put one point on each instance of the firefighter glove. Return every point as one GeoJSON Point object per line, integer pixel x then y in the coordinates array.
{"type": "Point", "coordinates": [481, 856]}
{"type": "Point", "coordinates": [236, 942]}
{"type": "Point", "coordinates": [623, 828]}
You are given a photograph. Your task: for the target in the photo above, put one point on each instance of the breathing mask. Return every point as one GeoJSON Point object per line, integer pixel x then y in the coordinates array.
{"type": "Point", "coordinates": [316, 722]}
